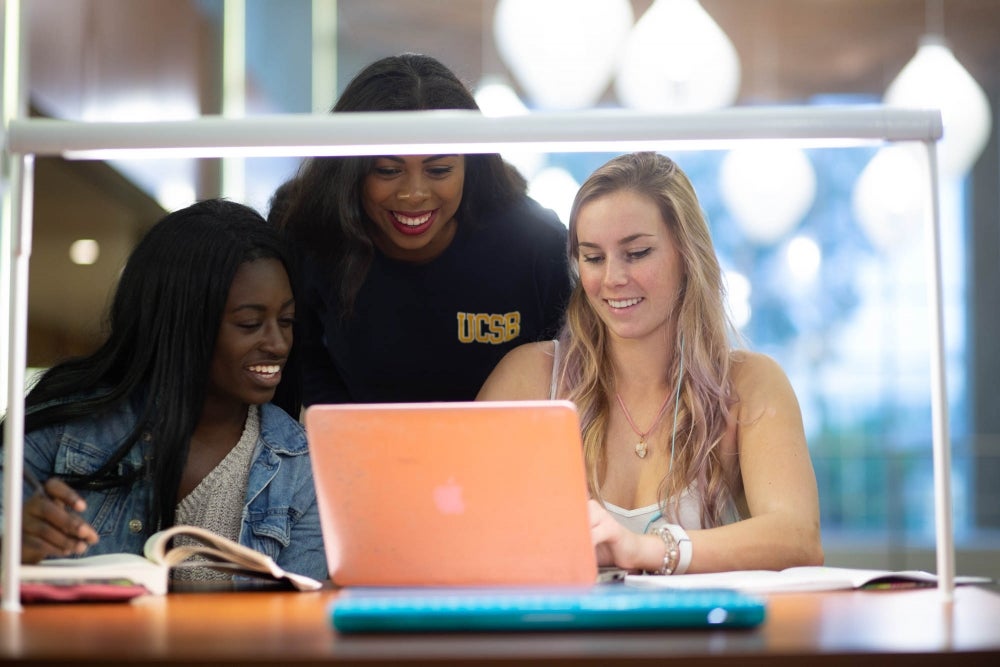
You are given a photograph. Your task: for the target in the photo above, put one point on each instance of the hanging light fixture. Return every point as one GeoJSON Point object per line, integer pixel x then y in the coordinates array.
{"type": "Point", "coordinates": [888, 208]}
{"type": "Point", "coordinates": [768, 189]}
{"type": "Point", "coordinates": [677, 59]}
{"type": "Point", "coordinates": [561, 52]}
{"type": "Point", "coordinates": [935, 79]}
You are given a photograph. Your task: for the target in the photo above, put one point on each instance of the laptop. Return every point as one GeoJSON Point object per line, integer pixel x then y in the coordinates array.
{"type": "Point", "coordinates": [472, 517]}
{"type": "Point", "coordinates": [452, 494]}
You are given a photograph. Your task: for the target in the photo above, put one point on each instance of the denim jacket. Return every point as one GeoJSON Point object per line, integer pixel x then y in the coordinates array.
{"type": "Point", "coordinates": [280, 515]}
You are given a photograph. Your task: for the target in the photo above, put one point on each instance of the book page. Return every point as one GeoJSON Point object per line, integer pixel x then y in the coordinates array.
{"type": "Point", "coordinates": [794, 579]}
{"type": "Point", "coordinates": [222, 553]}
{"type": "Point", "coordinates": [753, 581]}
{"type": "Point", "coordinates": [157, 548]}
{"type": "Point", "coordinates": [180, 556]}
{"type": "Point", "coordinates": [103, 567]}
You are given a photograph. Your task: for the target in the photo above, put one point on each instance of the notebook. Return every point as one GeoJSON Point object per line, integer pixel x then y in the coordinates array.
{"type": "Point", "coordinates": [608, 606]}
{"type": "Point", "coordinates": [452, 494]}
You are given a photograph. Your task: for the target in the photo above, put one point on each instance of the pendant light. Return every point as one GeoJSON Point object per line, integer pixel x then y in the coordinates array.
{"type": "Point", "coordinates": [887, 207]}
{"type": "Point", "coordinates": [561, 52]}
{"type": "Point", "coordinates": [677, 58]}
{"type": "Point", "coordinates": [935, 79]}
{"type": "Point", "coordinates": [889, 210]}
{"type": "Point", "coordinates": [768, 188]}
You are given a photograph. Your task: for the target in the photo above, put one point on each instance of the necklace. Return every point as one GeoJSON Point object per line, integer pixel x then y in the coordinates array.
{"type": "Point", "coordinates": [640, 447]}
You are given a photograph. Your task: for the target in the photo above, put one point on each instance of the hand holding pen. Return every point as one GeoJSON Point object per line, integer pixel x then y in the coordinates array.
{"type": "Point", "coordinates": [51, 524]}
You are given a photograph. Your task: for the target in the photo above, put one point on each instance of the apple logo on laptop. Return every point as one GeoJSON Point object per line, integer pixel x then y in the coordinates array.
{"type": "Point", "coordinates": [448, 497]}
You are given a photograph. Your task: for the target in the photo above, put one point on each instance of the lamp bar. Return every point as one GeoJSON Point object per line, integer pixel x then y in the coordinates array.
{"type": "Point", "coordinates": [374, 133]}
{"type": "Point", "coordinates": [940, 442]}
{"type": "Point", "coordinates": [436, 147]}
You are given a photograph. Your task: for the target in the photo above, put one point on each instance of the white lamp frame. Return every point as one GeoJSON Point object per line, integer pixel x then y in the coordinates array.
{"type": "Point", "coordinates": [456, 132]}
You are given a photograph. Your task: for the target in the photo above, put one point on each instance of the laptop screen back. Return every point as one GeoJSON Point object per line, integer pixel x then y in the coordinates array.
{"type": "Point", "coordinates": [452, 494]}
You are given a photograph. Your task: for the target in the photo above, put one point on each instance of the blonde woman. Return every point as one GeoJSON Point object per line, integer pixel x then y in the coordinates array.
{"type": "Point", "coordinates": [695, 450]}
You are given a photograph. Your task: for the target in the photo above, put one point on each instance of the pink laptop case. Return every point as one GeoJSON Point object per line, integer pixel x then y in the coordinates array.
{"type": "Point", "coordinates": [452, 494]}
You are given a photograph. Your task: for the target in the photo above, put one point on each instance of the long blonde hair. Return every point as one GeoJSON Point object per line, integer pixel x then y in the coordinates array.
{"type": "Point", "coordinates": [706, 394]}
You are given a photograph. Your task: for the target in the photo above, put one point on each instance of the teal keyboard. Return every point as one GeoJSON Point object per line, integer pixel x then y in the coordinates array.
{"type": "Point", "coordinates": [612, 606]}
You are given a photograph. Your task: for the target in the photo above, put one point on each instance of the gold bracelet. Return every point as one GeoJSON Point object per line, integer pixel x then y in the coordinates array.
{"type": "Point", "coordinates": [671, 554]}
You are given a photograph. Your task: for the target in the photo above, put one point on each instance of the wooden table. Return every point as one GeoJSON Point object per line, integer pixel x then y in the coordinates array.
{"type": "Point", "coordinates": [911, 627]}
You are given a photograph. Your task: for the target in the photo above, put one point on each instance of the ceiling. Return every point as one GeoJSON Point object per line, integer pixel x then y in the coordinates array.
{"type": "Point", "coordinates": [91, 58]}
{"type": "Point", "coordinates": [78, 200]}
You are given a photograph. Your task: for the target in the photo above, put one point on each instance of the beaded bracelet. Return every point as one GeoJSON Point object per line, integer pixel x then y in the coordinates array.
{"type": "Point", "coordinates": [671, 554]}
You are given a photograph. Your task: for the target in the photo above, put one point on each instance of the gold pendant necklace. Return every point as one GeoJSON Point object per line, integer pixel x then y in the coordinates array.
{"type": "Point", "coordinates": [640, 447]}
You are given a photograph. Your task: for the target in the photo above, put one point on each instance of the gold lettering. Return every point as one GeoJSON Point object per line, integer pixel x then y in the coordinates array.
{"type": "Point", "coordinates": [513, 325]}
{"type": "Point", "coordinates": [496, 329]}
{"type": "Point", "coordinates": [482, 319]}
{"type": "Point", "coordinates": [493, 329]}
{"type": "Point", "coordinates": [464, 328]}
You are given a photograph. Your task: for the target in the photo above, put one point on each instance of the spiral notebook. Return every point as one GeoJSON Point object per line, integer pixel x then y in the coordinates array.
{"type": "Point", "coordinates": [452, 494]}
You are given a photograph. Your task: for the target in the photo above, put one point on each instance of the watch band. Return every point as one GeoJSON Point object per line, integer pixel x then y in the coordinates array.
{"type": "Point", "coordinates": [683, 546]}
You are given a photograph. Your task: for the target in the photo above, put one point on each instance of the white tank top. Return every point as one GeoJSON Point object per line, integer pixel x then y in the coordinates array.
{"type": "Point", "coordinates": [650, 517]}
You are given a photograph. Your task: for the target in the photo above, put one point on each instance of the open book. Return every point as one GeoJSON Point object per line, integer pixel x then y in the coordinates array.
{"type": "Point", "coordinates": [152, 571]}
{"type": "Point", "coordinates": [796, 579]}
